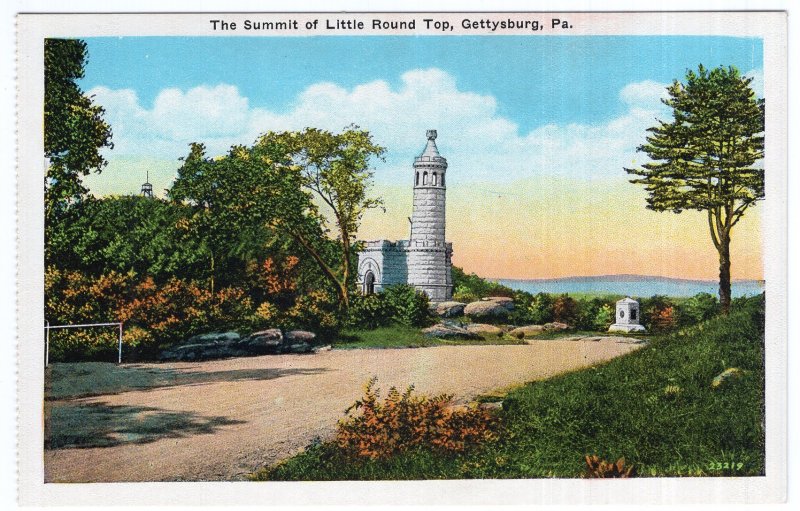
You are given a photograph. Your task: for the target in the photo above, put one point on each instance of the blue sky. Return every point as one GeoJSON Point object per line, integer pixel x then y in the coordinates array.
{"type": "Point", "coordinates": [533, 106]}
{"type": "Point", "coordinates": [536, 80]}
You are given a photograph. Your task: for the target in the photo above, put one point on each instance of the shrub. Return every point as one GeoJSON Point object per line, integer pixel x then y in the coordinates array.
{"type": "Point", "coordinates": [464, 294]}
{"type": "Point", "coordinates": [76, 345]}
{"type": "Point", "coordinates": [469, 288]}
{"type": "Point", "coordinates": [72, 297]}
{"type": "Point", "coordinates": [600, 468]}
{"type": "Point", "coordinates": [541, 310]}
{"type": "Point", "coordinates": [565, 310]}
{"type": "Point", "coordinates": [659, 314]}
{"type": "Point", "coordinates": [604, 317]}
{"type": "Point", "coordinates": [405, 421]}
{"type": "Point", "coordinates": [153, 315]}
{"type": "Point", "coordinates": [368, 311]}
{"type": "Point", "coordinates": [700, 307]}
{"type": "Point", "coordinates": [315, 310]}
{"type": "Point", "coordinates": [179, 309]}
{"type": "Point", "coordinates": [407, 305]}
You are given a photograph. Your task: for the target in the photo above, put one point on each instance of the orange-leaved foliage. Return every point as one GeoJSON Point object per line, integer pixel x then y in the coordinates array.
{"type": "Point", "coordinates": [403, 421]}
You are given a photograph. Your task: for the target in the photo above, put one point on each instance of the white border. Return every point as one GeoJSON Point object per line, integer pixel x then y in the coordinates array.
{"type": "Point", "coordinates": [717, 490]}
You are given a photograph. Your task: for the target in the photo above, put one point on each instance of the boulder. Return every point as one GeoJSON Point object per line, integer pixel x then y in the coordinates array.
{"type": "Point", "coordinates": [229, 344]}
{"type": "Point", "coordinates": [204, 347]}
{"type": "Point", "coordinates": [263, 342]}
{"type": "Point", "coordinates": [485, 330]}
{"type": "Point", "coordinates": [505, 301]}
{"type": "Point", "coordinates": [555, 327]}
{"type": "Point", "coordinates": [297, 336]}
{"type": "Point", "coordinates": [486, 309]}
{"type": "Point", "coordinates": [445, 331]}
{"type": "Point", "coordinates": [298, 347]}
{"type": "Point", "coordinates": [450, 309]}
{"type": "Point", "coordinates": [191, 352]}
{"type": "Point", "coordinates": [214, 338]}
{"type": "Point", "coordinates": [526, 331]}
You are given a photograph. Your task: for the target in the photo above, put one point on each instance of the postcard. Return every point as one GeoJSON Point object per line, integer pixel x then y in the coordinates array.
{"type": "Point", "coordinates": [402, 257]}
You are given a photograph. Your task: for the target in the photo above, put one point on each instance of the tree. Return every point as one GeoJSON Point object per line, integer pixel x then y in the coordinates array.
{"type": "Point", "coordinates": [126, 234]}
{"type": "Point", "coordinates": [335, 168]}
{"type": "Point", "coordinates": [236, 199]}
{"type": "Point", "coordinates": [706, 158]}
{"type": "Point", "coordinates": [74, 129]}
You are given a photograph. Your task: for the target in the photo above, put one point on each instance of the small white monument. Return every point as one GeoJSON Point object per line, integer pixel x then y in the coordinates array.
{"type": "Point", "coordinates": [627, 317]}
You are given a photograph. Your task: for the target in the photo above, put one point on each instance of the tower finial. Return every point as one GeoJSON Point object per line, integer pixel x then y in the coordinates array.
{"type": "Point", "coordinates": [431, 134]}
{"type": "Point", "coordinates": [147, 188]}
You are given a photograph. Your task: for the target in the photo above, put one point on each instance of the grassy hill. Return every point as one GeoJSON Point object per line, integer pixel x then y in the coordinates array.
{"type": "Point", "coordinates": [656, 407]}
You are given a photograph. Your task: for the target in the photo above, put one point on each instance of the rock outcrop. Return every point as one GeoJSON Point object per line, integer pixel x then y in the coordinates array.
{"type": "Point", "coordinates": [206, 346]}
{"type": "Point", "coordinates": [485, 330]}
{"type": "Point", "coordinates": [450, 309]}
{"type": "Point", "coordinates": [486, 309]}
{"type": "Point", "coordinates": [555, 326]}
{"type": "Point", "coordinates": [229, 344]}
{"type": "Point", "coordinates": [449, 331]}
{"type": "Point", "coordinates": [505, 301]}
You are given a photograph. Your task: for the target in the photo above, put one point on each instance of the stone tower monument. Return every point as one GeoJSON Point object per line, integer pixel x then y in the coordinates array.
{"type": "Point", "coordinates": [429, 256]}
{"type": "Point", "coordinates": [424, 260]}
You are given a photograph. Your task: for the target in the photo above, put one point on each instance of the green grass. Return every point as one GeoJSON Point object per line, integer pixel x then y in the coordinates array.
{"type": "Point", "coordinates": [619, 409]}
{"type": "Point", "coordinates": [401, 336]}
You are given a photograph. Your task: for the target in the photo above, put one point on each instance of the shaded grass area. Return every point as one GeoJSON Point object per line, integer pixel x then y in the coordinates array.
{"type": "Point", "coordinates": [655, 407]}
{"type": "Point", "coordinates": [401, 336]}
{"type": "Point", "coordinates": [102, 425]}
{"type": "Point", "coordinates": [82, 379]}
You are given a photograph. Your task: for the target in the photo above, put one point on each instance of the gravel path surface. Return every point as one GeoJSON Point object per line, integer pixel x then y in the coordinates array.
{"type": "Point", "coordinates": [221, 420]}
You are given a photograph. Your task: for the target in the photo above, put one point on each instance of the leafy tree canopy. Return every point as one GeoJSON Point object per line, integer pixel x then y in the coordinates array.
{"type": "Point", "coordinates": [145, 236]}
{"type": "Point", "coordinates": [335, 168]}
{"type": "Point", "coordinates": [74, 129]}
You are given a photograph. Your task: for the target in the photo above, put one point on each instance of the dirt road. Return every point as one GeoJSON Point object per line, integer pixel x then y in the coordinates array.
{"type": "Point", "coordinates": [221, 420]}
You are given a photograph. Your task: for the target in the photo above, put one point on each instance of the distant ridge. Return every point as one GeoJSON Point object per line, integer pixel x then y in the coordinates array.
{"type": "Point", "coordinates": [632, 285]}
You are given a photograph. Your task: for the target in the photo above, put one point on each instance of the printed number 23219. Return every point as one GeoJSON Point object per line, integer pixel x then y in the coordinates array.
{"type": "Point", "coordinates": [725, 465]}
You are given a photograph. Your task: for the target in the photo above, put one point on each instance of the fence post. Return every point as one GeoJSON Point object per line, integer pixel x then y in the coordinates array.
{"type": "Point", "coordinates": [47, 344]}
{"type": "Point", "coordinates": [119, 356]}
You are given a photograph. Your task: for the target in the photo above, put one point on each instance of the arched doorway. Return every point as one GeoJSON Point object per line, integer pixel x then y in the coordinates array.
{"type": "Point", "coordinates": [369, 283]}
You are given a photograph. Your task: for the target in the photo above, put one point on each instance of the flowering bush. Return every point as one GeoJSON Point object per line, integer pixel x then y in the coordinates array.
{"type": "Point", "coordinates": [179, 309]}
{"type": "Point", "coordinates": [659, 314]}
{"type": "Point", "coordinates": [404, 421]}
{"type": "Point", "coordinates": [153, 315]}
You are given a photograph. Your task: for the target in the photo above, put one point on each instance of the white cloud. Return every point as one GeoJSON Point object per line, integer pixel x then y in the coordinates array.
{"type": "Point", "coordinates": [646, 94]}
{"type": "Point", "coordinates": [758, 81]}
{"type": "Point", "coordinates": [480, 144]}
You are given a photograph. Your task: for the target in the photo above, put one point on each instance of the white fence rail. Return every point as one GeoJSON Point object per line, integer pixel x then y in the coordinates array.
{"type": "Point", "coordinates": [49, 327]}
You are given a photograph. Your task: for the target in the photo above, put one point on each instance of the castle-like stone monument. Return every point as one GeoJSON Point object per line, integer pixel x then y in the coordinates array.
{"type": "Point", "coordinates": [424, 260]}
{"type": "Point", "coordinates": [627, 317]}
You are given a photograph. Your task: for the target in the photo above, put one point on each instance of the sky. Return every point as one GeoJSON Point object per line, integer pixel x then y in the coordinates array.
{"type": "Point", "coordinates": [536, 131]}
